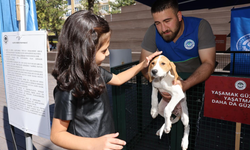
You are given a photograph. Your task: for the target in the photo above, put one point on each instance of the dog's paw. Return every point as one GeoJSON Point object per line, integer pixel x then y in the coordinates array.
{"type": "Point", "coordinates": [167, 129]}
{"type": "Point", "coordinates": [160, 131]}
{"type": "Point", "coordinates": [168, 125]}
{"type": "Point", "coordinates": [154, 112]}
{"type": "Point", "coordinates": [184, 143]}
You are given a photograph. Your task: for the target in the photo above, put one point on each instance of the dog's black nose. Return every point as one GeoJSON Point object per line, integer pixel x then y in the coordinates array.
{"type": "Point", "coordinates": [154, 71]}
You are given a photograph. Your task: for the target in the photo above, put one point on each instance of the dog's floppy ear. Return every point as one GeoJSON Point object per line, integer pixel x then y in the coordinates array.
{"type": "Point", "coordinates": [150, 78]}
{"type": "Point", "coordinates": [173, 71]}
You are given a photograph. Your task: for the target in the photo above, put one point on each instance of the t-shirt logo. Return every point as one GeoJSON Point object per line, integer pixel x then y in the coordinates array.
{"type": "Point", "coordinates": [189, 44]}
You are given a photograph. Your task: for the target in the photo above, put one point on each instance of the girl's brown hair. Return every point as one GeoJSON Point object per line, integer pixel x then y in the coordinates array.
{"type": "Point", "coordinates": [83, 33]}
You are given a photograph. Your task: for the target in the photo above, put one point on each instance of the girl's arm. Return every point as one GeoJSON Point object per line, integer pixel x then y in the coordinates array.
{"type": "Point", "coordinates": [128, 74]}
{"type": "Point", "coordinates": [62, 138]}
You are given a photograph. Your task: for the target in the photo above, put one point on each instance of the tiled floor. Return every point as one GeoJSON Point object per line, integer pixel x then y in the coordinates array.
{"type": "Point", "coordinates": [6, 142]}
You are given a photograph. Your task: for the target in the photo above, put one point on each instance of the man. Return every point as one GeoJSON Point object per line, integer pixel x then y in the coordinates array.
{"type": "Point", "coordinates": [188, 42]}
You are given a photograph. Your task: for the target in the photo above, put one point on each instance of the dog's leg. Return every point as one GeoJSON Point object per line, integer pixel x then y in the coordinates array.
{"type": "Point", "coordinates": [185, 121]}
{"type": "Point", "coordinates": [161, 130]}
{"type": "Point", "coordinates": [169, 108]}
{"type": "Point", "coordinates": [161, 106]}
{"type": "Point", "coordinates": [154, 102]}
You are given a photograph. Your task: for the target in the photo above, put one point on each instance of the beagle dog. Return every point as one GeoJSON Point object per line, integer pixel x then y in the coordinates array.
{"type": "Point", "coordinates": [162, 73]}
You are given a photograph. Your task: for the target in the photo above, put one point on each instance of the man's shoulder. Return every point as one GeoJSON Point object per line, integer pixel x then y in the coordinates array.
{"type": "Point", "coordinates": [201, 21]}
{"type": "Point", "coordinates": [151, 31]}
{"type": "Point", "coordinates": [191, 18]}
{"type": "Point", "coordinates": [151, 27]}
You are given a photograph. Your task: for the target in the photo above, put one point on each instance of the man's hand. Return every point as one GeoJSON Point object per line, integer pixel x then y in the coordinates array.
{"type": "Point", "coordinates": [166, 96]}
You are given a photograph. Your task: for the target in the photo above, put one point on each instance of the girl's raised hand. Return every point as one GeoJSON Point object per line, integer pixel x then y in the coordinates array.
{"type": "Point", "coordinates": [150, 57]}
{"type": "Point", "coordinates": [109, 142]}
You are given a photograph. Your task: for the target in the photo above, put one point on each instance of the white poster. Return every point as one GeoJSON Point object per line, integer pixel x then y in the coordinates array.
{"type": "Point", "coordinates": [26, 81]}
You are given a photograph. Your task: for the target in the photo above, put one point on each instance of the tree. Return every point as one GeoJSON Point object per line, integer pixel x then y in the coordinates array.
{"type": "Point", "coordinates": [50, 14]}
{"type": "Point", "coordinates": [117, 4]}
{"type": "Point", "coordinates": [93, 5]}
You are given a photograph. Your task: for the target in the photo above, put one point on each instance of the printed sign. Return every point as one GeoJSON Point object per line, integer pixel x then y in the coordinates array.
{"type": "Point", "coordinates": [228, 98]}
{"type": "Point", "coordinates": [26, 81]}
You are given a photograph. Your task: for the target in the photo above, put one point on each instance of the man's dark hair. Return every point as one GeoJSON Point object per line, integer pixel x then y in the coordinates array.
{"type": "Point", "coordinates": [160, 5]}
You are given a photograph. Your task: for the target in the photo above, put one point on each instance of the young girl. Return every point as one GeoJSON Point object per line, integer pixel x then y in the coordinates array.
{"type": "Point", "coordinates": [82, 115]}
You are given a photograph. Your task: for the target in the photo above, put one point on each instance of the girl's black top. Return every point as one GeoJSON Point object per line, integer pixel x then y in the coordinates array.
{"type": "Point", "coordinates": [88, 117]}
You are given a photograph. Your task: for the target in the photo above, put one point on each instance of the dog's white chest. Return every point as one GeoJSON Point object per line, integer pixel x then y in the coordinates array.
{"type": "Point", "coordinates": [165, 84]}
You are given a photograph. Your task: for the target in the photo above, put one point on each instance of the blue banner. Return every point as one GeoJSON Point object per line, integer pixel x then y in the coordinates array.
{"type": "Point", "coordinates": [8, 18]}
{"type": "Point", "coordinates": [8, 21]}
{"type": "Point", "coordinates": [240, 41]}
{"type": "Point", "coordinates": [31, 16]}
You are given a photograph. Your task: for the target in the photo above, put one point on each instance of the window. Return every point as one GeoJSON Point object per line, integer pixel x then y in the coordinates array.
{"type": "Point", "coordinates": [104, 1]}
{"type": "Point", "coordinates": [77, 1]}
{"type": "Point", "coordinates": [77, 8]}
{"type": "Point", "coordinates": [69, 2]}
{"type": "Point", "coordinates": [105, 7]}
{"type": "Point", "coordinates": [68, 13]}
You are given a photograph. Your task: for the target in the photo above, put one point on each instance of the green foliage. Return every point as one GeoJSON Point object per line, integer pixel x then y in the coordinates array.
{"type": "Point", "coordinates": [50, 14]}
{"type": "Point", "coordinates": [117, 4]}
{"type": "Point", "coordinates": [94, 5]}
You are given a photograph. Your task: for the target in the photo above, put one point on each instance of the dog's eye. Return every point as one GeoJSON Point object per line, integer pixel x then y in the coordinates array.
{"type": "Point", "coordinates": [153, 63]}
{"type": "Point", "coordinates": [163, 63]}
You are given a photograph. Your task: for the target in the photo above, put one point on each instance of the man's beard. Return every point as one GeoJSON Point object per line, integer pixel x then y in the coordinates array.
{"type": "Point", "coordinates": [172, 35]}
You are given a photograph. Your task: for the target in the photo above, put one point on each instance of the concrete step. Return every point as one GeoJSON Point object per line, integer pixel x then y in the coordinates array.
{"type": "Point", "coordinates": [208, 15]}
{"type": "Point", "coordinates": [119, 36]}
{"type": "Point", "coordinates": [224, 26]}
{"type": "Point", "coordinates": [226, 32]}
{"type": "Point", "coordinates": [146, 22]}
{"type": "Point", "coordinates": [131, 12]}
{"type": "Point", "coordinates": [50, 65]}
{"type": "Point", "coordinates": [134, 8]}
{"type": "Point", "coordinates": [215, 22]}
{"type": "Point", "coordinates": [135, 56]}
{"type": "Point", "coordinates": [142, 14]}
{"type": "Point", "coordinates": [51, 55]}
{"type": "Point", "coordinates": [131, 24]}
{"type": "Point", "coordinates": [128, 35]}
{"type": "Point", "coordinates": [129, 16]}
{"type": "Point", "coordinates": [218, 20]}
{"type": "Point", "coordinates": [134, 45]}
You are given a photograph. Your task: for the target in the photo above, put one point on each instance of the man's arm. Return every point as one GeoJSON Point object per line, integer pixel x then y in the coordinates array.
{"type": "Point", "coordinates": [207, 67]}
{"type": "Point", "coordinates": [144, 54]}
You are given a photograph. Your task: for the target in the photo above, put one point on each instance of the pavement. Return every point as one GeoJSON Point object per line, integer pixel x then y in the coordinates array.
{"type": "Point", "coordinates": [6, 140]}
